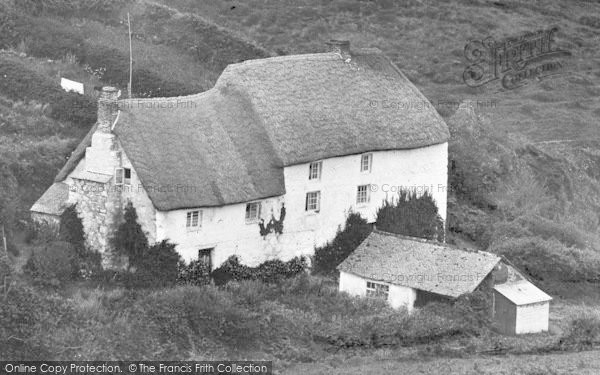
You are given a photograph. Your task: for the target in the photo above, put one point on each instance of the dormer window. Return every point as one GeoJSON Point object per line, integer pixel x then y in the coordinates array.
{"type": "Point", "coordinates": [365, 162]}
{"type": "Point", "coordinates": [314, 170]}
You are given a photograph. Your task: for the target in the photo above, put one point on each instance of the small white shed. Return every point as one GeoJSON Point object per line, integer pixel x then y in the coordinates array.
{"type": "Point", "coordinates": [521, 307]}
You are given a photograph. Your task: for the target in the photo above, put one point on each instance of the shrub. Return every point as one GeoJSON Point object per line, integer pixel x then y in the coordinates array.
{"type": "Point", "coordinates": [20, 83]}
{"type": "Point", "coordinates": [157, 268]}
{"type": "Point", "coordinates": [411, 215]}
{"type": "Point", "coordinates": [71, 228]}
{"type": "Point", "coordinates": [53, 262]}
{"type": "Point", "coordinates": [268, 272]}
{"type": "Point", "coordinates": [328, 257]}
{"type": "Point", "coordinates": [195, 273]}
{"type": "Point", "coordinates": [129, 239]}
{"type": "Point", "coordinates": [550, 259]}
{"type": "Point", "coordinates": [583, 330]}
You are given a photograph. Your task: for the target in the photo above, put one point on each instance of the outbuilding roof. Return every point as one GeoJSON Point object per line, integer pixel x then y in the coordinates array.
{"type": "Point", "coordinates": [522, 292]}
{"type": "Point", "coordinates": [420, 264]}
{"type": "Point", "coordinates": [230, 144]}
{"type": "Point", "coordinates": [53, 201]}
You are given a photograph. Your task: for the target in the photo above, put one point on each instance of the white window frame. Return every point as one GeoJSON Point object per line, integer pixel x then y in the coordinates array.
{"type": "Point", "coordinates": [189, 220]}
{"type": "Point", "coordinates": [378, 290]}
{"type": "Point", "coordinates": [368, 164]}
{"type": "Point", "coordinates": [359, 194]}
{"type": "Point", "coordinates": [256, 217]}
{"type": "Point", "coordinates": [315, 206]}
{"type": "Point", "coordinates": [319, 170]}
{"type": "Point", "coordinates": [119, 176]}
{"type": "Point", "coordinates": [126, 181]}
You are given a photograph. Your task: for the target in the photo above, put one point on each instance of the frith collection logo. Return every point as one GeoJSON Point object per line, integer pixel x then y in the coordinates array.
{"type": "Point", "coordinates": [514, 61]}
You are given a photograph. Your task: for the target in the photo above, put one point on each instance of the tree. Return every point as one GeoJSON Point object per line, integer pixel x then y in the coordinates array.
{"type": "Point", "coordinates": [158, 267]}
{"type": "Point", "coordinates": [411, 215]}
{"type": "Point", "coordinates": [328, 257]}
{"type": "Point", "coordinates": [130, 240]}
{"type": "Point", "coordinates": [71, 229]}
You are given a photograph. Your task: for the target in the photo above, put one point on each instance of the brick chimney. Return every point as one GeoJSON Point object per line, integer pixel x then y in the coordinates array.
{"type": "Point", "coordinates": [341, 47]}
{"type": "Point", "coordinates": [107, 108]}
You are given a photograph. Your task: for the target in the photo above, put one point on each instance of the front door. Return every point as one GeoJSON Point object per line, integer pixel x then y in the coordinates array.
{"type": "Point", "coordinates": [205, 259]}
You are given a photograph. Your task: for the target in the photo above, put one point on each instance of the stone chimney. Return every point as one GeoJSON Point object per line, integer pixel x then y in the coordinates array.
{"type": "Point", "coordinates": [108, 108]}
{"type": "Point", "coordinates": [341, 47]}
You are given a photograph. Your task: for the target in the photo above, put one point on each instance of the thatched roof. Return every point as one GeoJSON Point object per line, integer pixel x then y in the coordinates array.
{"type": "Point", "coordinates": [420, 264]}
{"type": "Point", "coordinates": [229, 144]}
{"type": "Point", "coordinates": [53, 201]}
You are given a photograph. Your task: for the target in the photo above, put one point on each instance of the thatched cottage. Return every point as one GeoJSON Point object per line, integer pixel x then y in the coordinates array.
{"type": "Point", "coordinates": [266, 164]}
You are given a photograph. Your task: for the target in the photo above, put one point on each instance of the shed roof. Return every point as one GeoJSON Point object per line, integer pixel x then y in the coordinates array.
{"type": "Point", "coordinates": [230, 144]}
{"type": "Point", "coordinates": [522, 292]}
{"type": "Point", "coordinates": [54, 200]}
{"type": "Point", "coordinates": [420, 264]}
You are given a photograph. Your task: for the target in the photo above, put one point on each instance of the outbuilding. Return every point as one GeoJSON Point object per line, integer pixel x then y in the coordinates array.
{"type": "Point", "coordinates": [409, 271]}
{"type": "Point", "coordinates": [520, 307]}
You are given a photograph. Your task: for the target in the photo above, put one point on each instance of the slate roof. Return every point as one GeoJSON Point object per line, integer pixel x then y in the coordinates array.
{"type": "Point", "coordinates": [230, 143]}
{"type": "Point", "coordinates": [522, 292]}
{"type": "Point", "coordinates": [54, 200]}
{"type": "Point", "coordinates": [420, 264]}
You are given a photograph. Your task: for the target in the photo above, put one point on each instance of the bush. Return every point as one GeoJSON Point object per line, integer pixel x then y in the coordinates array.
{"type": "Point", "coordinates": [328, 257]}
{"type": "Point", "coordinates": [130, 240]}
{"type": "Point", "coordinates": [53, 262]}
{"type": "Point", "coordinates": [550, 259]}
{"type": "Point", "coordinates": [411, 215]}
{"type": "Point", "coordinates": [157, 268]}
{"type": "Point", "coordinates": [268, 272]}
{"type": "Point", "coordinates": [20, 83]}
{"type": "Point", "coordinates": [195, 273]}
{"type": "Point", "coordinates": [583, 330]}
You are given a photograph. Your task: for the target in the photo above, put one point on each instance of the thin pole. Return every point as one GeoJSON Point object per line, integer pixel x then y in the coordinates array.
{"type": "Point", "coordinates": [130, 58]}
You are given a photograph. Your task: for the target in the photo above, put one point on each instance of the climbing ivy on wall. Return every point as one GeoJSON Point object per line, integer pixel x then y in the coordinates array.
{"type": "Point", "coordinates": [274, 225]}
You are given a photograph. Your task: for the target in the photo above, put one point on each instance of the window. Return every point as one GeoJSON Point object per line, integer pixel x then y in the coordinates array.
{"type": "Point", "coordinates": [193, 219]}
{"type": "Point", "coordinates": [313, 201]}
{"type": "Point", "coordinates": [127, 176]}
{"type": "Point", "coordinates": [365, 162]}
{"type": "Point", "coordinates": [205, 260]}
{"type": "Point", "coordinates": [122, 176]}
{"type": "Point", "coordinates": [252, 212]}
{"type": "Point", "coordinates": [377, 290]}
{"type": "Point", "coordinates": [118, 176]}
{"type": "Point", "coordinates": [314, 170]}
{"type": "Point", "coordinates": [362, 194]}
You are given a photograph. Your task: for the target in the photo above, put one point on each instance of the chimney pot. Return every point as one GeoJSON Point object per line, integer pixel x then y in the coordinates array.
{"type": "Point", "coordinates": [341, 47]}
{"type": "Point", "coordinates": [107, 108]}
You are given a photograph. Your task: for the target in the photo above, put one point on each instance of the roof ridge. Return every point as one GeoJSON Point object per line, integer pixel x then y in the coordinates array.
{"type": "Point", "coordinates": [159, 98]}
{"type": "Point", "coordinates": [426, 240]}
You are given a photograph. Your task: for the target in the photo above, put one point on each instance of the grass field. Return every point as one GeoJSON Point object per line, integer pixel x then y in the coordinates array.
{"type": "Point", "coordinates": [534, 150]}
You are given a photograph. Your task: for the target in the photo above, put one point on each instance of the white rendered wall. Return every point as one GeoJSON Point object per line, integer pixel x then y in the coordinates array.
{"type": "Point", "coordinates": [532, 318]}
{"type": "Point", "coordinates": [399, 296]}
{"type": "Point", "coordinates": [224, 228]}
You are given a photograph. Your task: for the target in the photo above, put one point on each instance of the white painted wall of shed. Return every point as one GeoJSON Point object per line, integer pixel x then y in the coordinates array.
{"type": "Point", "coordinates": [532, 318]}
{"type": "Point", "coordinates": [224, 228]}
{"type": "Point", "coordinates": [399, 296]}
